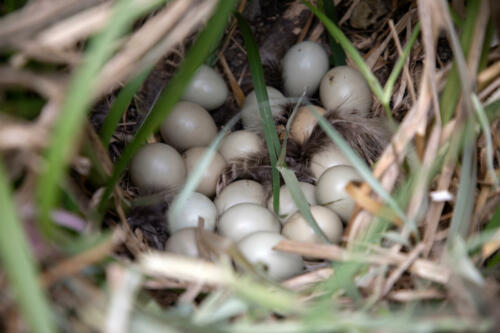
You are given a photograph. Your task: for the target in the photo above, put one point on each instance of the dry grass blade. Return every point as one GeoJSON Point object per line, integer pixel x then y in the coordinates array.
{"type": "Point", "coordinates": [422, 268]}
{"type": "Point", "coordinates": [38, 14]}
{"type": "Point", "coordinates": [143, 40]}
{"type": "Point", "coordinates": [184, 268]}
{"type": "Point", "coordinates": [125, 284]}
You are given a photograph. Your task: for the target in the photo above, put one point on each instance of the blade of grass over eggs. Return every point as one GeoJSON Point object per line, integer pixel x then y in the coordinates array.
{"type": "Point", "coordinates": [194, 179]}
{"type": "Point", "coordinates": [281, 159]}
{"type": "Point", "coordinates": [272, 140]}
{"type": "Point", "coordinates": [120, 105]}
{"type": "Point", "coordinates": [350, 50]}
{"type": "Point", "coordinates": [292, 182]}
{"type": "Point", "coordinates": [70, 123]}
{"type": "Point", "coordinates": [337, 58]}
{"type": "Point", "coordinates": [362, 168]}
{"type": "Point", "coordinates": [18, 264]}
{"type": "Point", "coordinates": [170, 96]}
{"type": "Point", "coordinates": [452, 90]}
{"type": "Point", "coordinates": [300, 200]}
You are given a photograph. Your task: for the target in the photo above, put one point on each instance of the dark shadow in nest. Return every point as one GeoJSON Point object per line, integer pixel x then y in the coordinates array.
{"type": "Point", "coordinates": [148, 215]}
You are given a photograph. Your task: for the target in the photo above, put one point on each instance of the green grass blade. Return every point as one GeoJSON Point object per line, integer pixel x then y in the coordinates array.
{"type": "Point", "coordinates": [483, 121]}
{"type": "Point", "coordinates": [494, 224]}
{"type": "Point", "coordinates": [18, 264]}
{"type": "Point", "coordinates": [70, 123]}
{"type": "Point", "coordinates": [362, 168]}
{"type": "Point", "coordinates": [488, 36]}
{"type": "Point", "coordinates": [492, 110]}
{"type": "Point", "coordinates": [452, 90]}
{"type": "Point", "coordinates": [120, 105]}
{"type": "Point", "coordinates": [194, 179]}
{"type": "Point", "coordinates": [391, 81]}
{"type": "Point", "coordinates": [464, 203]}
{"type": "Point", "coordinates": [300, 200]}
{"type": "Point", "coordinates": [292, 182]}
{"type": "Point", "coordinates": [337, 58]}
{"type": "Point", "coordinates": [272, 140]}
{"type": "Point", "coordinates": [350, 50]}
{"type": "Point", "coordinates": [171, 95]}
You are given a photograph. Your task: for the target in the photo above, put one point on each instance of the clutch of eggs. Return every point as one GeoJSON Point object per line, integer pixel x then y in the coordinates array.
{"type": "Point", "coordinates": [242, 211]}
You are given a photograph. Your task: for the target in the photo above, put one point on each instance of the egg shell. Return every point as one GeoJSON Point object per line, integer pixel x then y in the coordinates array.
{"type": "Point", "coordinates": [287, 205]}
{"type": "Point", "coordinates": [329, 157]}
{"type": "Point", "coordinates": [197, 206]}
{"type": "Point", "coordinates": [157, 167]}
{"type": "Point", "coordinates": [330, 190]}
{"type": "Point", "coordinates": [258, 249]}
{"type": "Point", "coordinates": [240, 144]}
{"type": "Point", "coordinates": [206, 88]}
{"type": "Point", "coordinates": [297, 228]}
{"type": "Point", "coordinates": [210, 175]}
{"type": "Point", "coordinates": [246, 218]}
{"type": "Point", "coordinates": [240, 191]}
{"type": "Point", "coordinates": [303, 122]}
{"type": "Point", "coordinates": [344, 89]}
{"type": "Point", "coordinates": [250, 116]}
{"type": "Point", "coordinates": [188, 125]}
{"type": "Point", "coordinates": [183, 242]}
{"type": "Point", "coordinates": [304, 65]}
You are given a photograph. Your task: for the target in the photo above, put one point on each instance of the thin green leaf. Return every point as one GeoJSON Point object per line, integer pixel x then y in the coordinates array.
{"type": "Point", "coordinates": [483, 120]}
{"type": "Point", "coordinates": [170, 96]}
{"type": "Point", "coordinates": [492, 110]}
{"type": "Point", "coordinates": [120, 105]}
{"type": "Point", "coordinates": [194, 179]}
{"type": "Point", "coordinates": [451, 92]}
{"type": "Point", "coordinates": [281, 159]}
{"type": "Point", "coordinates": [488, 37]}
{"type": "Point", "coordinates": [19, 265]}
{"type": "Point", "coordinates": [391, 81]}
{"type": "Point", "coordinates": [462, 212]}
{"type": "Point", "coordinates": [337, 58]}
{"type": "Point", "coordinates": [300, 201]}
{"type": "Point", "coordinates": [350, 50]}
{"type": "Point", "coordinates": [362, 168]}
{"type": "Point", "coordinates": [272, 140]}
{"type": "Point", "coordinates": [70, 123]}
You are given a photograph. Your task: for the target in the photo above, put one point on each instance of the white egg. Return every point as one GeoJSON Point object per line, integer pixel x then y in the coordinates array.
{"type": "Point", "coordinates": [330, 190]}
{"type": "Point", "coordinates": [240, 191]}
{"type": "Point", "coordinates": [304, 65]}
{"type": "Point", "coordinates": [344, 89]}
{"type": "Point", "coordinates": [246, 218]}
{"type": "Point", "coordinates": [156, 167]}
{"type": "Point", "coordinates": [188, 125]}
{"type": "Point", "coordinates": [206, 88]}
{"type": "Point", "coordinates": [303, 122]}
{"type": "Point", "coordinates": [297, 228]}
{"type": "Point", "coordinates": [197, 206]}
{"type": "Point", "coordinates": [211, 174]}
{"type": "Point", "coordinates": [278, 265]}
{"type": "Point", "coordinates": [240, 144]}
{"type": "Point", "coordinates": [250, 113]}
{"type": "Point", "coordinates": [329, 157]}
{"type": "Point", "coordinates": [183, 242]}
{"type": "Point", "coordinates": [287, 205]}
